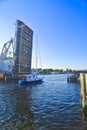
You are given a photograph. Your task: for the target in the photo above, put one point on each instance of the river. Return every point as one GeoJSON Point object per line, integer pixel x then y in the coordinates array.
{"type": "Point", "coordinates": [52, 105]}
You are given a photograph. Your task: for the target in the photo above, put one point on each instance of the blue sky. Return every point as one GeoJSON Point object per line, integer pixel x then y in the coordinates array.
{"type": "Point", "coordinates": [60, 25]}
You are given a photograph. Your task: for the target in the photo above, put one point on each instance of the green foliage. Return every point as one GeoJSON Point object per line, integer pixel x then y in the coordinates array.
{"type": "Point", "coordinates": [57, 71]}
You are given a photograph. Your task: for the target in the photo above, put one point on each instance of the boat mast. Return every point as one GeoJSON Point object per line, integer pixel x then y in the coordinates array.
{"type": "Point", "coordinates": [36, 54]}
{"type": "Point", "coordinates": [37, 51]}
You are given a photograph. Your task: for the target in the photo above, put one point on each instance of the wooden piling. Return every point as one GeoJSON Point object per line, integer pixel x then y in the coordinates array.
{"type": "Point", "coordinates": [83, 89]}
{"type": "Point", "coordinates": [86, 82]}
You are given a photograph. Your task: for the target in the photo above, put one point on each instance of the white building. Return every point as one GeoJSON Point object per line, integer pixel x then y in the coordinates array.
{"type": "Point", "coordinates": [7, 64]}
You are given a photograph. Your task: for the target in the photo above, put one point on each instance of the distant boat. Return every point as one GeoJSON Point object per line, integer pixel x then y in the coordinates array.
{"type": "Point", "coordinates": [73, 78]}
{"type": "Point", "coordinates": [31, 78]}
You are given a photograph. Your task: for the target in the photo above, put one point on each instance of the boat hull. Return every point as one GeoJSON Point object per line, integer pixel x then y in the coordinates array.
{"type": "Point", "coordinates": [24, 82]}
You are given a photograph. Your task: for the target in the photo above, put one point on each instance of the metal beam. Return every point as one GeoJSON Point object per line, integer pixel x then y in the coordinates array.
{"type": "Point", "coordinates": [6, 47]}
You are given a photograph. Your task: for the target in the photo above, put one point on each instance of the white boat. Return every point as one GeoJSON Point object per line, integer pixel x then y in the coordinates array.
{"type": "Point", "coordinates": [30, 79]}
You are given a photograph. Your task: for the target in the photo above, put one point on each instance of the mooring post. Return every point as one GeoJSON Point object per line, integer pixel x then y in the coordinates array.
{"type": "Point", "coordinates": [86, 89]}
{"type": "Point", "coordinates": [83, 86]}
{"type": "Point", "coordinates": [82, 89]}
{"type": "Point", "coordinates": [5, 78]}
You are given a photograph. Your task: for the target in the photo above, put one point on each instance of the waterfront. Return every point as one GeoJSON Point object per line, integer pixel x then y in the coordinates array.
{"type": "Point", "coordinates": [52, 105]}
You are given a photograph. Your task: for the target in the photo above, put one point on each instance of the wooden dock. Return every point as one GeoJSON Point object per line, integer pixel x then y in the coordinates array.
{"type": "Point", "coordinates": [8, 78]}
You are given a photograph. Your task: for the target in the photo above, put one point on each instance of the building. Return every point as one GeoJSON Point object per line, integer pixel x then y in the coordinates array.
{"type": "Point", "coordinates": [23, 48]}
{"type": "Point", "coordinates": [7, 64]}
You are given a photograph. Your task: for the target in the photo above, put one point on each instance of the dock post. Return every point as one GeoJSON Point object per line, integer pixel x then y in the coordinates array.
{"type": "Point", "coordinates": [5, 78]}
{"type": "Point", "coordinates": [83, 89]}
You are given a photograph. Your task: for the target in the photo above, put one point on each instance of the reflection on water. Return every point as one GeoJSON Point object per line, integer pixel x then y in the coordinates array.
{"type": "Point", "coordinates": [52, 105]}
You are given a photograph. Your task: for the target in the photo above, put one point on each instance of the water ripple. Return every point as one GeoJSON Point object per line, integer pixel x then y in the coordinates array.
{"type": "Point", "coordinates": [52, 105]}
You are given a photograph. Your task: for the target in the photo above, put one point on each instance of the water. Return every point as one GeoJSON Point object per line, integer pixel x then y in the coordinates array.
{"type": "Point", "coordinates": [52, 105]}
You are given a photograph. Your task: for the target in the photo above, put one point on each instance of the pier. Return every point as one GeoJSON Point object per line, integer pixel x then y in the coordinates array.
{"type": "Point", "coordinates": [5, 78]}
